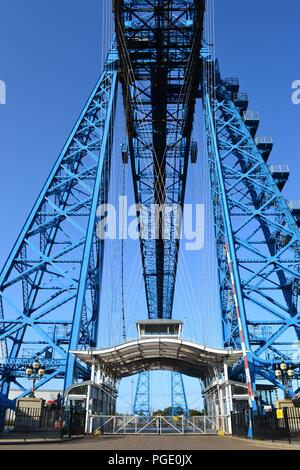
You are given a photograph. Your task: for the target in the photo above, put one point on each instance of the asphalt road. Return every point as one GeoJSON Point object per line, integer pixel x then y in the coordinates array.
{"type": "Point", "coordinates": [150, 443]}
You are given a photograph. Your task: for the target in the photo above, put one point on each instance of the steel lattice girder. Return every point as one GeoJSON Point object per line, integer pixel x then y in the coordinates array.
{"type": "Point", "coordinates": [179, 401]}
{"type": "Point", "coordinates": [159, 48]}
{"type": "Point", "coordinates": [142, 396]}
{"type": "Point", "coordinates": [50, 285]}
{"type": "Point", "coordinates": [254, 221]}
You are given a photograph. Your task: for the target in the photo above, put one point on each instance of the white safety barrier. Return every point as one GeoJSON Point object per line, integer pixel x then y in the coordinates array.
{"type": "Point", "coordinates": [159, 424]}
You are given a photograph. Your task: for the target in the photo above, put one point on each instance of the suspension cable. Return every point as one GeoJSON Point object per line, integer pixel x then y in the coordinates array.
{"type": "Point", "coordinates": [122, 260]}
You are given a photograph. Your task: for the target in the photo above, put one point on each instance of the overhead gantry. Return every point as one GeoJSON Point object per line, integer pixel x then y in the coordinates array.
{"type": "Point", "coordinates": [159, 49]}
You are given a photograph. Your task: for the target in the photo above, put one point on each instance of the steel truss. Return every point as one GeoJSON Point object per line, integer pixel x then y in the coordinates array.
{"type": "Point", "coordinates": [258, 240]}
{"type": "Point", "coordinates": [159, 44]}
{"type": "Point", "coordinates": [142, 395]}
{"type": "Point", "coordinates": [50, 284]}
{"type": "Point", "coordinates": [179, 401]}
{"type": "Point", "coordinates": [159, 47]}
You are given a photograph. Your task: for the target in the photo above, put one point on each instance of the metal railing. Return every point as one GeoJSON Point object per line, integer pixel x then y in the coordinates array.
{"type": "Point", "coordinates": [274, 425]}
{"type": "Point", "coordinates": [40, 423]}
{"type": "Point", "coordinates": [158, 424]}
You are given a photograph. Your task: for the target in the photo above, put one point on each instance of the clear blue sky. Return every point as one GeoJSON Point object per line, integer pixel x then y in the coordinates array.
{"type": "Point", "coordinates": [50, 59]}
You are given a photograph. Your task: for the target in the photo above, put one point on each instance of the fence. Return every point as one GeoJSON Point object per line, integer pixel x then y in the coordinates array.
{"type": "Point", "coordinates": [293, 417]}
{"type": "Point", "coordinates": [44, 423]}
{"type": "Point", "coordinates": [158, 424]}
{"type": "Point", "coordinates": [273, 425]}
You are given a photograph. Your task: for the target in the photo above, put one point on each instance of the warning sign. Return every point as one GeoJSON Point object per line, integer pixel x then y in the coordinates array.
{"type": "Point", "coordinates": [279, 414]}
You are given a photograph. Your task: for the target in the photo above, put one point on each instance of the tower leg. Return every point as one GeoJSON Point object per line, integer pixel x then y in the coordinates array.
{"type": "Point", "coordinates": [179, 401]}
{"type": "Point", "coordinates": [50, 284]}
{"type": "Point", "coordinates": [142, 395]}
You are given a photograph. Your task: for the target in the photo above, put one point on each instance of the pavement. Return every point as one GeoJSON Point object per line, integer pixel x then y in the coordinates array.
{"type": "Point", "coordinates": [143, 442]}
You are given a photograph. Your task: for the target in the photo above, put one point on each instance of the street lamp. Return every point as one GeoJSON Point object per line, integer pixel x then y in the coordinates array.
{"type": "Point", "coordinates": [34, 373]}
{"type": "Point", "coordinates": [284, 373]}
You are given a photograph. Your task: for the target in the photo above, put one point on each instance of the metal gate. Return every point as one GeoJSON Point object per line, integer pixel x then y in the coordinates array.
{"type": "Point", "coordinates": [158, 424]}
{"type": "Point", "coordinates": [75, 425]}
{"type": "Point", "coordinates": [270, 425]}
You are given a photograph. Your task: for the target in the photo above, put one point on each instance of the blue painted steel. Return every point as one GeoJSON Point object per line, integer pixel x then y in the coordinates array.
{"type": "Point", "coordinates": [179, 401]}
{"type": "Point", "coordinates": [254, 220]}
{"type": "Point", "coordinates": [50, 284]}
{"type": "Point", "coordinates": [159, 47]}
{"type": "Point", "coordinates": [142, 396]}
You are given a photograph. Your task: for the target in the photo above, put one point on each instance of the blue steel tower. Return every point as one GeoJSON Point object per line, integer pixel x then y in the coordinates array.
{"type": "Point", "coordinates": [50, 286]}
{"type": "Point", "coordinates": [257, 236]}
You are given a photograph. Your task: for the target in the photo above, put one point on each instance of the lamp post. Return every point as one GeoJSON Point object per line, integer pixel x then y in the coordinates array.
{"type": "Point", "coordinates": [34, 373]}
{"type": "Point", "coordinates": [284, 373]}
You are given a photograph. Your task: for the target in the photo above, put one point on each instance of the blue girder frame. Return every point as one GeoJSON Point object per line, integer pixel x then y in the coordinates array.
{"type": "Point", "coordinates": [159, 48]}
{"type": "Point", "coordinates": [50, 284]}
{"type": "Point", "coordinates": [179, 401]}
{"type": "Point", "coordinates": [142, 405]}
{"type": "Point", "coordinates": [254, 222]}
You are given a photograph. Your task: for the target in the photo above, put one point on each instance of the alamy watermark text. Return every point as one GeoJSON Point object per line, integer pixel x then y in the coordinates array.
{"type": "Point", "coordinates": [152, 222]}
{"type": "Point", "coordinates": [2, 92]}
{"type": "Point", "coordinates": [296, 93]}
